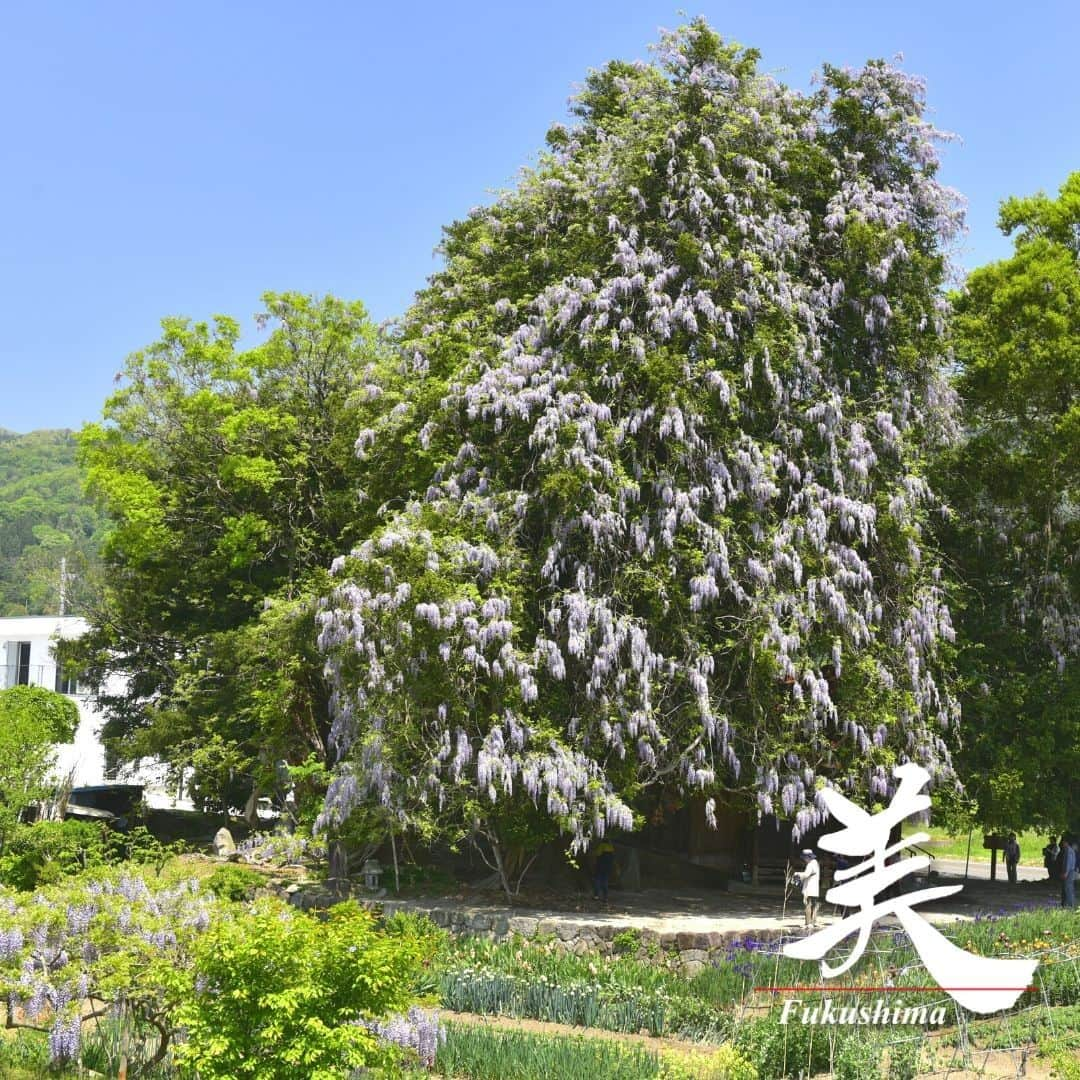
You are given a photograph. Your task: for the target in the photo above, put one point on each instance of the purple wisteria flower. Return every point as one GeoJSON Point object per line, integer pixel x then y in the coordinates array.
{"type": "Point", "coordinates": [672, 523]}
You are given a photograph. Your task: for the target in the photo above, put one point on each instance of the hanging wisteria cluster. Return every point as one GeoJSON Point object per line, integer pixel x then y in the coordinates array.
{"type": "Point", "coordinates": [65, 961]}
{"type": "Point", "coordinates": [674, 391]}
{"type": "Point", "coordinates": [418, 1029]}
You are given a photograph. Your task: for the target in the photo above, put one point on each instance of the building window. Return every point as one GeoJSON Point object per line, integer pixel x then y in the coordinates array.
{"type": "Point", "coordinates": [65, 682]}
{"type": "Point", "coordinates": [18, 664]}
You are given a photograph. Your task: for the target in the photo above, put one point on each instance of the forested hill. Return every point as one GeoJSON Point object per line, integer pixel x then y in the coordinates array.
{"type": "Point", "coordinates": [45, 523]}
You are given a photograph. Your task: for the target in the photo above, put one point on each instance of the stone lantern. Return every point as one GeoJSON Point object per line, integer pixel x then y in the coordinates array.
{"type": "Point", "coordinates": [371, 871]}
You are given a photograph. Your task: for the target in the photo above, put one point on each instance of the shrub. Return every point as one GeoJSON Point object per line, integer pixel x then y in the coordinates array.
{"type": "Point", "coordinates": [904, 1059]}
{"type": "Point", "coordinates": [858, 1058]}
{"type": "Point", "coordinates": [281, 849]}
{"type": "Point", "coordinates": [47, 851]}
{"type": "Point", "coordinates": [1064, 1065]}
{"type": "Point", "coordinates": [693, 1018]}
{"type": "Point", "coordinates": [626, 942]}
{"type": "Point", "coordinates": [726, 1063]}
{"type": "Point", "coordinates": [425, 939]}
{"type": "Point", "coordinates": [275, 994]}
{"type": "Point", "coordinates": [71, 954]}
{"type": "Point", "coordinates": [234, 882]}
{"type": "Point", "coordinates": [784, 1049]}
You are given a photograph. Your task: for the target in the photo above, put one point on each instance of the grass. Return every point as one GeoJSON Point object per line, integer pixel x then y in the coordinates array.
{"type": "Point", "coordinates": [483, 1053]}
{"type": "Point", "coordinates": [944, 845]}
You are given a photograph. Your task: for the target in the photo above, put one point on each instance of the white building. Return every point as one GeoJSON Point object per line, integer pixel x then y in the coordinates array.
{"type": "Point", "coordinates": [27, 659]}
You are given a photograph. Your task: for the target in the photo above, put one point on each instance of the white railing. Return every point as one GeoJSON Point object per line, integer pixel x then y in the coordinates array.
{"type": "Point", "coordinates": [34, 675]}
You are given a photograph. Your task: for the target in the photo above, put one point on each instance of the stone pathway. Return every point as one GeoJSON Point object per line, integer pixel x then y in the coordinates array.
{"type": "Point", "coordinates": [694, 922]}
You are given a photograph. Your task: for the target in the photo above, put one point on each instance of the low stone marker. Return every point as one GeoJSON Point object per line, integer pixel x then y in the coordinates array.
{"type": "Point", "coordinates": [224, 844]}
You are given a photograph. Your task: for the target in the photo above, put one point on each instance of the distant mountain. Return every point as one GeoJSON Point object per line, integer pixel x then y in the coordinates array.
{"type": "Point", "coordinates": [46, 524]}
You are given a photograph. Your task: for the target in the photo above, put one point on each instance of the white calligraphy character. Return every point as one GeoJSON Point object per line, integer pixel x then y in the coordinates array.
{"type": "Point", "coordinates": [981, 984]}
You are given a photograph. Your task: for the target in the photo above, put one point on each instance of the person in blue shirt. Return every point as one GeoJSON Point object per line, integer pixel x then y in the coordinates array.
{"type": "Point", "coordinates": [1067, 861]}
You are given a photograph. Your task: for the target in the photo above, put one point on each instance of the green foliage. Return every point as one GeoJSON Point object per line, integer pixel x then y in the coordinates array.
{"type": "Point", "coordinates": [626, 942]}
{"type": "Point", "coordinates": [39, 714]}
{"type": "Point", "coordinates": [44, 519]}
{"type": "Point", "coordinates": [779, 1050]}
{"type": "Point", "coordinates": [47, 851]}
{"type": "Point", "coordinates": [1064, 1061]}
{"type": "Point", "coordinates": [32, 721]}
{"type": "Point", "coordinates": [139, 845]}
{"type": "Point", "coordinates": [229, 480]}
{"type": "Point", "coordinates": [483, 1053]}
{"type": "Point", "coordinates": [275, 993]}
{"type": "Point", "coordinates": [726, 1063]}
{"type": "Point", "coordinates": [234, 882]}
{"type": "Point", "coordinates": [904, 1059]}
{"type": "Point", "coordinates": [24, 1054]}
{"type": "Point", "coordinates": [1014, 484]}
{"type": "Point", "coordinates": [857, 1058]}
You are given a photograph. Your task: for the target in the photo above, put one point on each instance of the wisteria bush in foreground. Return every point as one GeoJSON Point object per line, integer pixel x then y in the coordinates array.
{"type": "Point", "coordinates": [209, 987]}
{"type": "Point", "coordinates": [673, 394]}
{"type": "Point", "coordinates": [114, 947]}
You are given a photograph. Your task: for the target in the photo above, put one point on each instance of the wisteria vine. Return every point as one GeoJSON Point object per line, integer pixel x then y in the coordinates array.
{"type": "Point", "coordinates": [675, 391]}
{"type": "Point", "coordinates": [100, 950]}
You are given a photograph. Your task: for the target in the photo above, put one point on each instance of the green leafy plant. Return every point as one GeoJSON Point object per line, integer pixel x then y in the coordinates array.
{"type": "Point", "coordinates": [858, 1058]}
{"type": "Point", "coordinates": [626, 942]}
{"type": "Point", "coordinates": [32, 722]}
{"type": "Point", "coordinates": [234, 882]}
{"type": "Point", "coordinates": [904, 1059]}
{"type": "Point", "coordinates": [483, 1053]}
{"type": "Point", "coordinates": [275, 994]}
{"type": "Point", "coordinates": [726, 1063]}
{"type": "Point", "coordinates": [47, 851]}
{"type": "Point", "coordinates": [779, 1050]}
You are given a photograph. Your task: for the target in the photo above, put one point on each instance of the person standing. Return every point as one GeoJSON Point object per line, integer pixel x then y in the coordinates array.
{"type": "Point", "coordinates": [605, 861]}
{"type": "Point", "coordinates": [1050, 857]}
{"type": "Point", "coordinates": [1067, 862]}
{"type": "Point", "coordinates": [1012, 857]}
{"type": "Point", "coordinates": [810, 880]}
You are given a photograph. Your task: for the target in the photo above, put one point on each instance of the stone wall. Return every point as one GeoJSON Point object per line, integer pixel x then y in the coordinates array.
{"type": "Point", "coordinates": [578, 933]}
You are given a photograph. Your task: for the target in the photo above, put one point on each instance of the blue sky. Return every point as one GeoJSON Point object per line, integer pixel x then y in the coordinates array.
{"type": "Point", "coordinates": [182, 158]}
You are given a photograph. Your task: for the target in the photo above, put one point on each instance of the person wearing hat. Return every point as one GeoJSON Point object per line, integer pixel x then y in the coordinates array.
{"type": "Point", "coordinates": [810, 880]}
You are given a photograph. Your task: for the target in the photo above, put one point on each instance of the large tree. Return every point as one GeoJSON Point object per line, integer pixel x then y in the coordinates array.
{"type": "Point", "coordinates": [230, 478]}
{"type": "Point", "coordinates": [1014, 482]}
{"type": "Point", "coordinates": [676, 391]}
